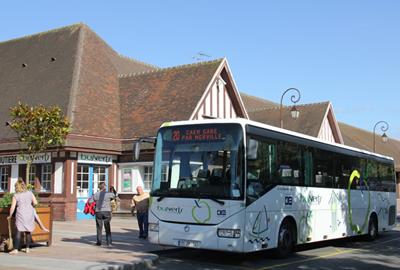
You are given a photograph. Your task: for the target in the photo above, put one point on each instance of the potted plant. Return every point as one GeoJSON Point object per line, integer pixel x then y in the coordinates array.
{"type": "Point", "coordinates": [44, 213]}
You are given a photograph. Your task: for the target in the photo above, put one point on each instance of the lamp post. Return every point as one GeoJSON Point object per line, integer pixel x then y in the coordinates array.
{"type": "Point", "coordinates": [293, 111]}
{"type": "Point", "coordinates": [384, 127]}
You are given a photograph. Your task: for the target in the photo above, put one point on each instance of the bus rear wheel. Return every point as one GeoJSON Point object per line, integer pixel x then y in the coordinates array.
{"type": "Point", "coordinates": [285, 240]}
{"type": "Point", "coordinates": [372, 228]}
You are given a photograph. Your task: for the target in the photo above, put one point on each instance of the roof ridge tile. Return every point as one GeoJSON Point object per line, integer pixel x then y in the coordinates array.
{"type": "Point", "coordinates": [72, 26]}
{"type": "Point", "coordinates": [285, 106]}
{"type": "Point", "coordinates": [137, 61]}
{"type": "Point", "coordinates": [170, 68]}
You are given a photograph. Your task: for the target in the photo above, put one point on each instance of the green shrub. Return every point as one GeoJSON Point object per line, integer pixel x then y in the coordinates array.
{"type": "Point", "coordinates": [6, 200]}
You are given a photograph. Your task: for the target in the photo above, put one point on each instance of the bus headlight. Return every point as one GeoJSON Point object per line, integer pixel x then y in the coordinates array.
{"type": "Point", "coordinates": [228, 233]}
{"type": "Point", "coordinates": [153, 227]}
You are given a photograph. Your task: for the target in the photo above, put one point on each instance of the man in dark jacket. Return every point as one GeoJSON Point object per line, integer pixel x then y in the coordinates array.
{"type": "Point", "coordinates": [103, 213]}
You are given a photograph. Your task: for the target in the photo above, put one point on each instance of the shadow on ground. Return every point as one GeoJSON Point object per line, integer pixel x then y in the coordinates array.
{"type": "Point", "coordinates": [122, 241]}
{"type": "Point", "coordinates": [349, 253]}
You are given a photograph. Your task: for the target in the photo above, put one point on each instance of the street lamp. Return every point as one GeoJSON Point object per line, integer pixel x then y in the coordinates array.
{"type": "Point", "coordinates": [384, 127]}
{"type": "Point", "coordinates": [293, 111]}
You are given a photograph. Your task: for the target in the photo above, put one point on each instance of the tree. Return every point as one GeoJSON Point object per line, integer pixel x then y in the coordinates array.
{"type": "Point", "coordinates": [38, 128]}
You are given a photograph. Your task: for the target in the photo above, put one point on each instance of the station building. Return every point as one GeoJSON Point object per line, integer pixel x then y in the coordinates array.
{"type": "Point", "coordinates": [112, 101]}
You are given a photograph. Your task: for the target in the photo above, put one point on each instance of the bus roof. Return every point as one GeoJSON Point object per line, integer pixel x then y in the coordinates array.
{"type": "Point", "coordinates": [243, 122]}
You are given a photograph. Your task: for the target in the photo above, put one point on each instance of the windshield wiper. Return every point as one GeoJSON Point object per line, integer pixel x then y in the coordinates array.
{"type": "Point", "coordinates": [217, 201]}
{"type": "Point", "coordinates": [159, 199]}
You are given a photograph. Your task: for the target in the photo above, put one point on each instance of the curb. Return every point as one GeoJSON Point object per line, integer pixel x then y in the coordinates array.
{"type": "Point", "coordinates": [28, 262]}
{"type": "Point", "coordinates": [145, 264]}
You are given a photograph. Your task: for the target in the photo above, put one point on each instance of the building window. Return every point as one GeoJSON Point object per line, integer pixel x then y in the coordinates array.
{"type": "Point", "coordinates": [148, 177]}
{"type": "Point", "coordinates": [164, 173]}
{"type": "Point", "coordinates": [46, 177]}
{"type": "Point", "coordinates": [99, 176]}
{"type": "Point", "coordinates": [82, 181]}
{"type": "Point", "coordinates": [32, 175]}
{"type": "Point", "coordinates": [127, 180]}
{"type": "Point", "coordinates": [4, 175]}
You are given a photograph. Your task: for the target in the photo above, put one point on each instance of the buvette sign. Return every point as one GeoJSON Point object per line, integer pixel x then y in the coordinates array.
{"type": "Point", "coordinates": [94, 158]}
{"type": "Point", "coordinates": [21, 159]}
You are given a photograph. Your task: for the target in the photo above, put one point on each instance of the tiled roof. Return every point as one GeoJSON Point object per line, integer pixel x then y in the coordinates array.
{"type": "Point", "coordinates": [255, 103]}
{"type": "Point", "coordinates": [28, 74]}
{"type": "Point", "coordinates": [309, 121]}
{"type": "Point", "coordinates": [363, 139]}
{"type": "Point", "coordinates": [71, 67]}
{"type": "Point", "coordinates": [150, 98]}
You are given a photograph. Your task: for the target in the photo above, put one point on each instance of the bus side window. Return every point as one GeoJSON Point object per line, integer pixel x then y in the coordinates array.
{"type": "Point", "coordinates": [289, 164]}
{"type": "Point", "coordinates": [386, 178]}
{"type": "Point", "coordinates": [372, 175]}
{"type": "Point", "coordinates": [260, 165]}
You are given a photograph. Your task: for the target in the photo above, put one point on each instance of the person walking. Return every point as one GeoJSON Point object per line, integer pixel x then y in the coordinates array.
{"type": "Point", "coordinates": [103, 213]}
{"type": "Point", "coordinates": [141, 203]}
{"type": "Point", "coordinates": [23, 202]}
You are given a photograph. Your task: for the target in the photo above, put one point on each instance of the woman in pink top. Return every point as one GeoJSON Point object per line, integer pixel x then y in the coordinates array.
{"type": "Point", "coordinates": [23, 200]}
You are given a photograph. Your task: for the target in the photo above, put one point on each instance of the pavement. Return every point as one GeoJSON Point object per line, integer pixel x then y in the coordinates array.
{"type": "Point", "coordinates": [74, 247]}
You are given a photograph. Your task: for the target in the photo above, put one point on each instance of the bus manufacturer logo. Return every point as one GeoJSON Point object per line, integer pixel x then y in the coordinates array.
{"type": "Point", "coordinates": [221, 212]}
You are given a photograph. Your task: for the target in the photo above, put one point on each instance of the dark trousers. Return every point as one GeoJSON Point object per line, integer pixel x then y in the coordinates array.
{"type": "Point", "coordinates": [143, 222]}
{"type": "Point", "coordinates": [18, 239]}
{"type": "Point", "coordinates": [103, 217]}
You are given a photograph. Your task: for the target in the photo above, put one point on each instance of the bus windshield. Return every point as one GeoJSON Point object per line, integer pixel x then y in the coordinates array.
{"type": "Point", "coordinates": [199, 161]}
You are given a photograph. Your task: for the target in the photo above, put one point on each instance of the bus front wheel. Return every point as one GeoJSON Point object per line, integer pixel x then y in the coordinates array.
{"type": "Point", "coordinates": [285, 240]}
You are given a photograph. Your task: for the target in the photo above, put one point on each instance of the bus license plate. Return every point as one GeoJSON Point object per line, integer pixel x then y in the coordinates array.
{"type": "Point", "coordinates": [188, 243]}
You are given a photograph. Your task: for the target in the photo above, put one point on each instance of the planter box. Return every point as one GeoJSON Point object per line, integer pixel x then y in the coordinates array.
{"type": "Point", "coordinates": [45, 214]}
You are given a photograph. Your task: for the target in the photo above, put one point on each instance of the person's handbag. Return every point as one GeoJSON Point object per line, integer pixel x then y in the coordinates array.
{"type": "Point", "coordinates": [90, 207]}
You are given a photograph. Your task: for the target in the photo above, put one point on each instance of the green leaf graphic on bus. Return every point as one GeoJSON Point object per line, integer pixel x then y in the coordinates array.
{"type": "Point", "coordinates": [201, 211]}
{"type": "Point", "coordinates": [355, 227]}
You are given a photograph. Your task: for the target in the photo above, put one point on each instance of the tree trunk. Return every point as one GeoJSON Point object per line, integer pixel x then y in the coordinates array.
{"type": "Point", "coordinates": [28, 169]}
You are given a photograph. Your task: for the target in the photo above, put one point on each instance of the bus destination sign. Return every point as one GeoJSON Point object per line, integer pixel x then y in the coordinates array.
{"type": "Point", "coordinates": [197, 134]}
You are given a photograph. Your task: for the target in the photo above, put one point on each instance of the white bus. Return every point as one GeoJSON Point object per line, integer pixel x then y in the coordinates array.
{"type": "Point", "coordinates": [241, 186]}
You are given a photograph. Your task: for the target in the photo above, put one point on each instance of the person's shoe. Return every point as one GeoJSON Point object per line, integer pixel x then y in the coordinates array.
{"type": "Point", "coordinates": [98, 244]}
{"type": "Point", "coordinates": [13, 252]}
{"type": "Point", "coordinates": [27, 250]}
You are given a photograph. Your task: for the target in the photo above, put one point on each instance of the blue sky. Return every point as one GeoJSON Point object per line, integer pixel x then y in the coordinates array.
{"type": "Point", "coordinates": [347, 52]}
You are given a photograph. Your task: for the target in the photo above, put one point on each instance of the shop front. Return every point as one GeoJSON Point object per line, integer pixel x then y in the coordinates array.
{"type": "Point", "coordinates": [132, 175]}
{"type": "Point", "coordinates": [92, 169]}
{"type": "Point", "coordinates": [14, 166]}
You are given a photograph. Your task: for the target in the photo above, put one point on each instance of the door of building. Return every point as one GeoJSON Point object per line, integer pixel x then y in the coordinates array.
{"type": "Point", "coordinates": [89, 178]}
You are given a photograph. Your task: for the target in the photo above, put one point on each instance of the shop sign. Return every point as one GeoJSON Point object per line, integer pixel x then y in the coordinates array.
{"type": "Point", "coordinates": [21, 159]}
{"type": "Point", "coordinates": [94, 158]}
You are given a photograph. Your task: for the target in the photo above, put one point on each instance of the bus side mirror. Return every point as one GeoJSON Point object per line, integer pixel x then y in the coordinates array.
{"type": "Point", "coordinates": [136, 150]}
{"type": "Point", "coordinates": [252, 148]}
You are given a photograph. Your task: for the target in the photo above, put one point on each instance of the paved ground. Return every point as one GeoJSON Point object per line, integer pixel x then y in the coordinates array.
{"type": "Point", "coordinates": [73, 248]}
{"type": "Point", "coordinates": [344, 254]}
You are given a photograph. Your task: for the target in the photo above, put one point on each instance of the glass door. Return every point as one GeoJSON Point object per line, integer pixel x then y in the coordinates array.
{"type": "Point", "coordinates": [89, 178]}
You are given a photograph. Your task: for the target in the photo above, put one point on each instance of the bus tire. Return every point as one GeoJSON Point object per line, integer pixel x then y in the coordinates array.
{"type": "Point", "coordinates": [372, 228]}
{"type": "Point", "coordinates": [286, 240]}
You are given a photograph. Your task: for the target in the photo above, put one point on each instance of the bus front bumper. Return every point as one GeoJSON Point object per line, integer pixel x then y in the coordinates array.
{"type": "Point", "coordinates": [197, 236]}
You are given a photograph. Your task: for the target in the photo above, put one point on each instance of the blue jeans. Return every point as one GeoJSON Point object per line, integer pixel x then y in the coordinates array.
{"type": "Point", "coordinates": [143, 221]}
